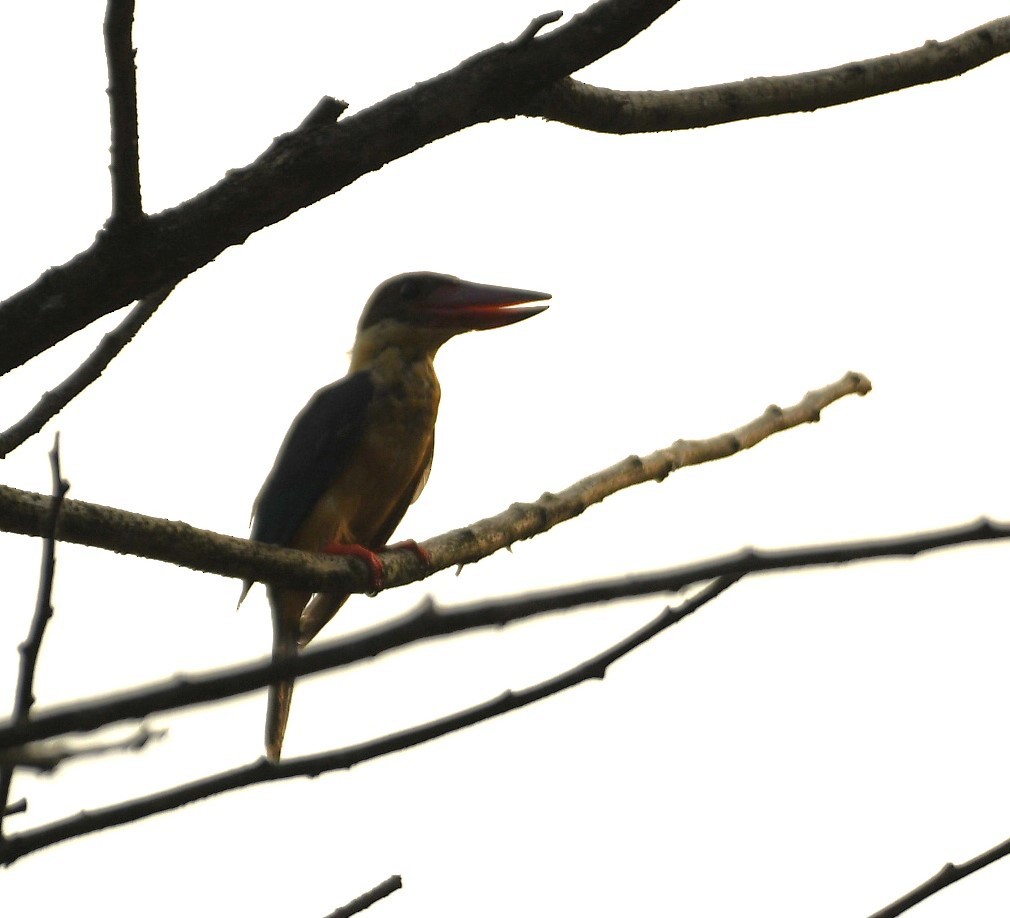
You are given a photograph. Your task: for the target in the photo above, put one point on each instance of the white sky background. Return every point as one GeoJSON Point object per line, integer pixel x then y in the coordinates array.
{"type": "Point", "coordinates": [811, 743]}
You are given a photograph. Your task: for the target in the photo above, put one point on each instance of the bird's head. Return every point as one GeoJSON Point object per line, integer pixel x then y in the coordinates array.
{"type": "Point", "coordinates": [423, 310]}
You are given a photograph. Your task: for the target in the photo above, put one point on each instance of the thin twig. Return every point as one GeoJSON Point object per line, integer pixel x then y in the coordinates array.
{"type": "Point", "coordinates": [261, 771]}
{"type": "Point", "coordinates": [24, 697]}
{"type": "Point", "coordinates": [385, 888]}
{"type": "Point", "coordinates": [428, 622]}
{"type": "Point", "coordinates": [612, 111]}
{"type": "Point", "coordinates": [124, 149]}
{"type": "Point", "coordinates": [948, 874]}
{"type": "Point", "coordinates": [178, 543]}
{"type": "Point", "coordinates": [46, 756]}
{"type": "Point", "coordinates": [55, 400]}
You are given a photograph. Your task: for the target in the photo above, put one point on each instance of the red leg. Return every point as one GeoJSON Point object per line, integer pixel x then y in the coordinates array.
{"type": "Point", "coordinates": [370, 558]}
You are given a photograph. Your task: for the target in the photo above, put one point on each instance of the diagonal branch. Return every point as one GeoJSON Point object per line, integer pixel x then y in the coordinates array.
{"type": "Point", "coordinates": [175, 542]}
{"type": "Point", "coordinates": [948, 874]}
{"type": "Point", "coordinates": [311, 163]}
{"type": "Point", "coordinates": [261, 771]}
{"type": "Point", "coordinates": [611, 111]}
{"type": "Point", "coordinates": [55, 400]}
{"type": "Point", "coordinates": [428, 622]}
{"type": "Point", "coordinates": [24, 696]}
{"type": "Point", "coordinates": [366, 900]}
{"type": "Point", "coordinates": [303, 167]}
{"type": "Point", "coordinates": [124, 149]}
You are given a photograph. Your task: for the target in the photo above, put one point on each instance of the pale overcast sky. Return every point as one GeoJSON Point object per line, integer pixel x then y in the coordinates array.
{"type": "Point", "coordinates": [812, 743]}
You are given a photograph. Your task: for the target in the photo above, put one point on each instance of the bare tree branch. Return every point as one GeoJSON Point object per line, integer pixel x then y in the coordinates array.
{"type": "Point", "coordinates": [536, 24]}
{"type": "Point", "coordinates": [611, 111]}
{"type": "Point", "coordinates": [124, 149]}
{"type": "Point", "coordinates": [175, 542]}
{"type": "Point", "coordinates": [355, 906]}
{"type": "Point", "coordinates": [311, 163]}
{"type": "Point", "coordinates": [258, 772]}
{"type": "Point", "coordinates": [24, 696]}
{"type": "Point", "coordinates": [948, 874]}
{"type": "Point", "coordinates": [428, 622]}
{"type": "Point", "coordinates": [55, 400]}
{"type": "Point", "coordinates": [326, 111]}
{"type": "Point", "coordinates": [19, 806]}
{"type": "Point", "coordinates": [46, 756]}
{"type": "Point", "coordinates": [303, 167]}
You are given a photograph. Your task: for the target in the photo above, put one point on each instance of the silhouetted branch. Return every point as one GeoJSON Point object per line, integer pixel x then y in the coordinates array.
{"type": "Point", "coordinates": [536, 24]}
{"type": "Point", "coordinates": [355, 906]}
{"type": "Point", "coordinates": [55, 400]}
{"type": "Point", "coordinates": [309, 165]}
{"type": "Point", "coordinates": [24, 697]}
{"type": "Point", "coordinates": [326, 111]}
{"type": "Point", "coordinates": [19, 806]}
{"type": "Point", "coordinates": [175, 542]}
{"type": "Point", "coordinates": [47, 755]}
{"type": "Point", "coordinates": [506, 80]}
{"type": "Point", "coordinates": [428, 622]}
{"type": "Point", "coordinates": [258, 772]}
{"type": "Point", "coordinates": [948, 874]}
{"type": "Point", "coordinates": [124, 149]}
{"type": "Point", "coordinates": [612, 111]}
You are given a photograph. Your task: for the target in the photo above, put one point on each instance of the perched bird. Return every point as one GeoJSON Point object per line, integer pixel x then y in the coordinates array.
{"type": "Point", "coordinates": [359, 452]}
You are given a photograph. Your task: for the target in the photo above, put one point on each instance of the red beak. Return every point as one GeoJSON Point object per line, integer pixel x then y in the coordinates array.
{"type": "Point", "coordinates": [475, 307]}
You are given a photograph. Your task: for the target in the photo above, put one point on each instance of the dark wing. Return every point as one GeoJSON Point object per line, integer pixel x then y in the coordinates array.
{"type": "Point", "coordinates": [320, 443]}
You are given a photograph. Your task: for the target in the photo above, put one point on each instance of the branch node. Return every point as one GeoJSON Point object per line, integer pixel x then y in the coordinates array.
{"type": "Point", "coordinates": [326, 111]}
{"type": "Point", "coordinates": [536, 24]}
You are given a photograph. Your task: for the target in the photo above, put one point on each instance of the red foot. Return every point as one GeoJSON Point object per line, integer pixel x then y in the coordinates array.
{"type": "Point", "coordinates": [411, 545]}
{"type": "Point", "coordinates": [370, 558]}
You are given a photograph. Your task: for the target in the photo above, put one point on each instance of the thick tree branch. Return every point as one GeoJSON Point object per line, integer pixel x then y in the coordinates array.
{"type": "Point", "coordinates": [311, 163]}
{"type": "Point", "coordinates": [17, 846]}
{"type": "Point", "coordinates": [175, 542]}
{"type": "Point", "coordinates": [55, 400]}
{"type": "Point", "coordinates": [428, 622]}
{"type": "Point", "coordinates": [611, 111]}
{"type": "Point", "coordinates": [24, 696]}
{"type": "Point", "coordinates": [301, 168]}
{"type": "Point", "coordinates": [124, 149]}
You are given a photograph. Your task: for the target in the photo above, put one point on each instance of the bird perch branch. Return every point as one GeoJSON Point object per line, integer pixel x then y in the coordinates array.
{"type": "Point", "coordinates": [428, 622]}
{"type": "Point", "coordinates": [178, 543]}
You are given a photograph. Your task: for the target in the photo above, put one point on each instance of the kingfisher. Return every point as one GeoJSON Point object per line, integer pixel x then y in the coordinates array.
{"type": "Point", "coordinates": [359, 453]}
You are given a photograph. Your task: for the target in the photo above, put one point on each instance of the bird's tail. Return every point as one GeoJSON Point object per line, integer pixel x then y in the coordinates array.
{"type": "Point", "coordinates": [285, 607]}
{"type": "Point", "coordinates": [317, 613]}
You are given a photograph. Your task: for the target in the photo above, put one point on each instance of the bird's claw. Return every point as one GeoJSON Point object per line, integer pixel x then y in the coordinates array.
{"type": "Point", "coordinates": [412, 546]}
{"type": "Point", "coordinates": [369, 557]}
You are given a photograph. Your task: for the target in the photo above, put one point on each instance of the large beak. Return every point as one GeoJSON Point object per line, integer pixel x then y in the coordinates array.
{"type": "Point", "coordinates": [473, 307]}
